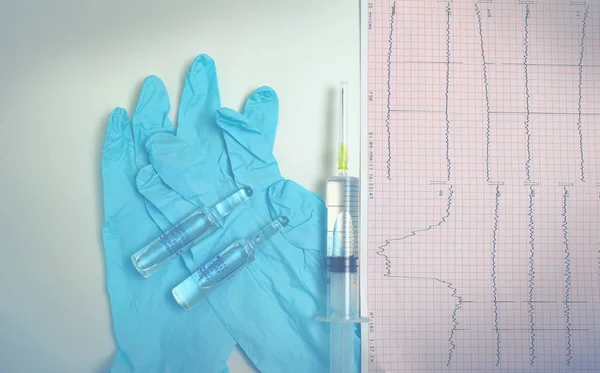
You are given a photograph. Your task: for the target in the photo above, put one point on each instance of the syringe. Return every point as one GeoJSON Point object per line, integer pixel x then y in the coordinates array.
{"type": "Point", "coordinates": [343, 217]}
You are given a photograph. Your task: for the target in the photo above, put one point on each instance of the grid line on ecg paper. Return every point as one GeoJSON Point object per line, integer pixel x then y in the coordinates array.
{"type": "Point", "coordinates": [484, 165]}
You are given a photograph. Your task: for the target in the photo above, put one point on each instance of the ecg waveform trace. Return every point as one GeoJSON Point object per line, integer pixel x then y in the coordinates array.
{"type": "Point", "coordinates": [483, 124]}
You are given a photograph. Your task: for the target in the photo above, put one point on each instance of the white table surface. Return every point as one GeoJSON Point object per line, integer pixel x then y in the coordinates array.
{"type": "Point", "coordinates": [65, 65]}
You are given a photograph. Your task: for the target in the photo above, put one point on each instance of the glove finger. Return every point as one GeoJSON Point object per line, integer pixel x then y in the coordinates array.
{"type": "Point", "coordinates": [262, 111]}
{"type": "Point", "coordinates": [151, 116]}
{"type": "Point", "coordinates": [172, 206]}
{"type": "Point", "coordinates": [306, 211]}
{"type": "Point", "coordinates": [250, 155]}
{"type": "Point", "coordinates": [118, 163]}
{"type": "Point", "coordinates": [199, 102]}
{"type": "Point", "coordinates": [193, 173]}
{"type": "Point", "coordinates": [157, 216]}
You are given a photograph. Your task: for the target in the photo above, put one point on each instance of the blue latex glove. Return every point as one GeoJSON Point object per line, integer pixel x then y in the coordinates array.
{"type": "Point", "coordinates": [269, 307]}
{"type": "Point", "coordinates": [152, 333]}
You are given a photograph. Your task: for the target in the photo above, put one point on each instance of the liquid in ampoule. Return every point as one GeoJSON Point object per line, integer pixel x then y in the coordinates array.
{"type": "Point", "coordinates": [223, 266]}
{"type": "Point", "coordinates": [185, 234]}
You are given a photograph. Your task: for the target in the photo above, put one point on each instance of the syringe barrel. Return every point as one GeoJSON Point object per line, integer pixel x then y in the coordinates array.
{"type": "Point", "coordinates": [343, 297]}
{"type": "Point", "coordinates": [343, 216]}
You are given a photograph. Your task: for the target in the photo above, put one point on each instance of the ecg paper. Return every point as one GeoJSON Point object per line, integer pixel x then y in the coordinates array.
{"type": "Point", "coordinates": [483, 185]}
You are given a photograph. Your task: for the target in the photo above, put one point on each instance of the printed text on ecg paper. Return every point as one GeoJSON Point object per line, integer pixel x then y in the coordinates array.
{"type": "Point", "coordinates": [484, 186]}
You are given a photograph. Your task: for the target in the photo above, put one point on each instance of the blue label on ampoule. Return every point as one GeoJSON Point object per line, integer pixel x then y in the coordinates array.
{"type": "Point", "coordinates": [212, 273]}
{"type": "Point", "coordinates": [176, 239]}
